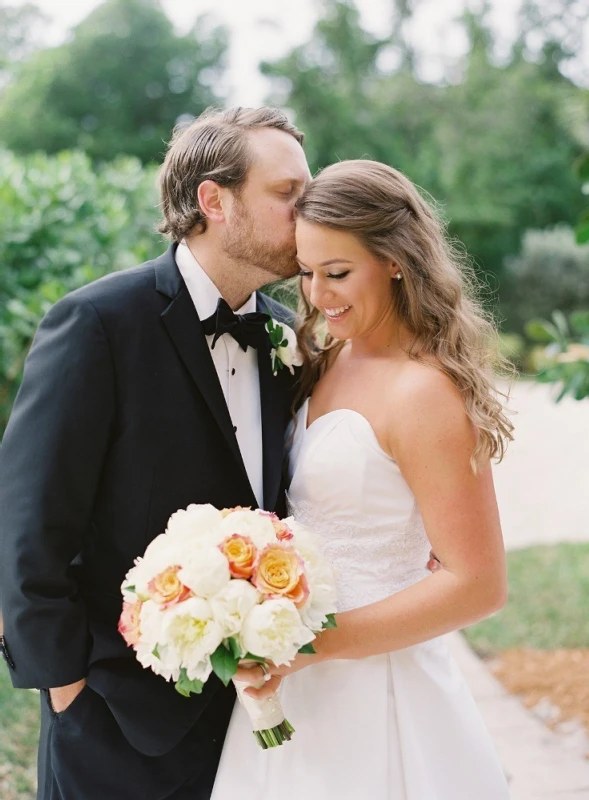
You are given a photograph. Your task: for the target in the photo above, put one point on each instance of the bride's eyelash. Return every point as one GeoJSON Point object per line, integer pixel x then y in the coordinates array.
{"type": "Point", "coordinates": [339, 276]}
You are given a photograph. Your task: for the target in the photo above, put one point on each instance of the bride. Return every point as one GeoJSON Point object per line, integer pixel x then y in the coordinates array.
{"type": "Point", "coordinates": [389, 456]}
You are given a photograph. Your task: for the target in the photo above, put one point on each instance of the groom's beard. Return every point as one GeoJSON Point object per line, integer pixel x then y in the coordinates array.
{"type": "Point", "coordinates": [243, 243]}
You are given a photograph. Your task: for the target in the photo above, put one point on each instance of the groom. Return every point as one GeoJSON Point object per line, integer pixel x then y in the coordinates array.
{"type": "Point", "coordinates": [142, 393]}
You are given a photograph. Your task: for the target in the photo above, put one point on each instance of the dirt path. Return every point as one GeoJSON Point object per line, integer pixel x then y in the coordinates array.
{"type": "Point", "coordinates": [543, 482]}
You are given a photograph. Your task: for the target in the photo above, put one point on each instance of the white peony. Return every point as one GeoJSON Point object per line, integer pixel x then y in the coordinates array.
{"type": "Point", "coordinates": [233, 603]}
{"type": "Point", "coordinates": [190, 635]}
{"type": "Point", "coordinates": [274, 630]}
{"type": "Point", "coordinates": [322, 601]}
{"type": "Point", "coordinates": [161, 553]}
{"type": "Point", "coordinates": [151, 650]}
{"type": "Point", "coordinates": [197, 523]}
{"type": "Point", "coordinates": [320, 575]}
{"type": "Point", "coordinates": [205, 571]}
{"type": "Point", "coordinates": [249, 523]}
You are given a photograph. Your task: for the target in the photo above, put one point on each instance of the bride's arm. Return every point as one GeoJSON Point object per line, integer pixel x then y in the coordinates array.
{"type": "Point", "coordinates": [432, 441]}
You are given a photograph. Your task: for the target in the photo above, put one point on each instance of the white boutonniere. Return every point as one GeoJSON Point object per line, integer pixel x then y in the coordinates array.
{"type": "Point", "coordinates": [285, 352]}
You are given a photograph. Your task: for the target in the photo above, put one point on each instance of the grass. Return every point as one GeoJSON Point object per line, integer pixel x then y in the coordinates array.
{"type": "Point", "coordinates": [548, 605]}
{"type": "Point", "coordinates": [19, 731]}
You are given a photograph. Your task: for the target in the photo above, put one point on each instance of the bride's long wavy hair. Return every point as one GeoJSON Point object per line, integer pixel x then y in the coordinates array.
{"type": "Point", "coordinates": [436, 300]}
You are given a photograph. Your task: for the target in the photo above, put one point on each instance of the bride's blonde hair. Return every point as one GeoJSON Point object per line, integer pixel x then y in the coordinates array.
{"type": "Point", "coordinates": [435, 300]}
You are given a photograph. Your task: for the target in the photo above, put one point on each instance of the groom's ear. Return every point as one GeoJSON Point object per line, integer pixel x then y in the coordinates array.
{"type": "Point", "coordinates": [210, 200]}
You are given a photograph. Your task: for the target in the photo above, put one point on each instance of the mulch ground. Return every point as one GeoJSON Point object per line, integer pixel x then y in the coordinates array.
{"type": "Point", "coordinates": [560, 677]}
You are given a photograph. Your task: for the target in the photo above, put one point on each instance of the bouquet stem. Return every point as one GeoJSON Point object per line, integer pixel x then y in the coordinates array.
{"type": "Point", "coordinates": [274, 737]}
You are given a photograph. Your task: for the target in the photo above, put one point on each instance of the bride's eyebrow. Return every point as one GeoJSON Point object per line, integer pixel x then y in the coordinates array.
{"type": "Point", "coordinates": [328, 263]}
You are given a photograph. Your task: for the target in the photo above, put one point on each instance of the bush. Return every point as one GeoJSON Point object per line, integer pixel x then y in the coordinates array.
{"type": "Point", "coordinates": [62, 224]}
{"type": "Point", "coordinates": [552, 271]}
{"type": "Point", "coordinates": [565, 355]}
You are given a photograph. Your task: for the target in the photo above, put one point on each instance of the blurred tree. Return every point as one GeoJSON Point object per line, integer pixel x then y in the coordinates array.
{"type": "Point", "coordinates": [494, 149]}
{"type": "Point", "coordinates": [18, 29]}
{"type": "Point", "coordinates": [119, 86]}
{"type": "Point", "coordinates": [330, 83]}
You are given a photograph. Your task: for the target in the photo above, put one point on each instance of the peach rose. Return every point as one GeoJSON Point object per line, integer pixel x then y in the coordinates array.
{"type": "Point", "coordinates": [129, 622]}
{"type": "Point", "coordinates": [279, 572]}
{"type": "Point", "coordinates": [283, 532]}
{"type": "Point", "coordinates": [241, 554]}
{"type": "Point", "coordinates": [167, 589]}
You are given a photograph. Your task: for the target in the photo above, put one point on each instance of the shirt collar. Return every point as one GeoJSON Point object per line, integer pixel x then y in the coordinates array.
{"type": "Point", "coordinates": [201, 288]}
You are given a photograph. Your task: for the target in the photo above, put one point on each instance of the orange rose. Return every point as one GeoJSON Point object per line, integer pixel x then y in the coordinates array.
{"type": "Point", "coordinates": [279, 572]}
{"type": "Point", "coordinates": [241, 554]}
{"type": "Point", "coordinates": [167, 589]}
{"type": "Point", "coordinates": [129, 622]}
{"type": "Point", "coordinates": [283, 532]}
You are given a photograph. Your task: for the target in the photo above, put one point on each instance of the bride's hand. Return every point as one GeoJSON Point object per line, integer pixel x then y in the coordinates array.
{"type": "Point", "coordinates": [272, 677]}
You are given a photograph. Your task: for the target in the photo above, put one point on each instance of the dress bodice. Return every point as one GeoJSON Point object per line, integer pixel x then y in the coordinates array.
{"type": "Point", "coordinates": [346, 488]}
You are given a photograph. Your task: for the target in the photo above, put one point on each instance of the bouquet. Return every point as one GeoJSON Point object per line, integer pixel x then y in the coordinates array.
{"type": "Point", "coordinates": [221, 586]}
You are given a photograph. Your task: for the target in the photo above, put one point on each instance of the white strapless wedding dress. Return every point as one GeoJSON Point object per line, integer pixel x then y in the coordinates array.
{"type": "Point", "coordinates": [399, 726]}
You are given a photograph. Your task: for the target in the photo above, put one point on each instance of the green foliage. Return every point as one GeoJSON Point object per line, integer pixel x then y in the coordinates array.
{"type": "Point", "coordinates": [225, 662]}
{"type": "Point", "coordinates": [566, 355]}
{"type": "Point", "coordinates": [119, 86]}
{"type": "Point", "coordinates": [494, 148]}
{"type": "Point", "coordinates": [551, 271]}
{"type": "Point", "coordinates": [186, 687]}
{"type": "Point", "coordinates": [548, 601]}
{"type": "Point", "coordinates": [63, 224]}
{"type": "Point", "coordinates": [582, 169]}
{"type": "Point", "coordinates": [19, 733]}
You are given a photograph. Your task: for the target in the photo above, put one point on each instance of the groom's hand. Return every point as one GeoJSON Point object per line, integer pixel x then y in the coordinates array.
{"type": "Point", "coordinates": [63, 696]}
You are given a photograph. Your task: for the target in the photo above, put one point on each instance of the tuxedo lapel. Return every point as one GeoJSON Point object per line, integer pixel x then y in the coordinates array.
{"type": "Point", "coordinates": [273, 399]}
{"type": "Point", "coordinates": [185, 330]}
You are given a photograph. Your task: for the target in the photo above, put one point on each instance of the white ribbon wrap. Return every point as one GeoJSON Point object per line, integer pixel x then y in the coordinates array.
{"type": "Point", "coordinates": [264, 713]}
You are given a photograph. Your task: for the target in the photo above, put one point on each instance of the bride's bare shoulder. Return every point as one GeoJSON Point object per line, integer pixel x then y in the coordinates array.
{"type": "Point", "coordinates": [422, 388]}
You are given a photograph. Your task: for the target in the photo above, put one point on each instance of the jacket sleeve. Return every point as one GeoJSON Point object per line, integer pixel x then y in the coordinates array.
{"type": "Point", "coordinates": [51, 460]}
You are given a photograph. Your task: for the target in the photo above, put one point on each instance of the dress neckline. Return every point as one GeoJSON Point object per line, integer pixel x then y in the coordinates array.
{"type": "Point", "coordinates": [357, 414]}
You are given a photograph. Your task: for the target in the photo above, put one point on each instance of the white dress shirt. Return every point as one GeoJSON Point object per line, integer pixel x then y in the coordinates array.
{"type": "Point", "coordinates": [237, 371]}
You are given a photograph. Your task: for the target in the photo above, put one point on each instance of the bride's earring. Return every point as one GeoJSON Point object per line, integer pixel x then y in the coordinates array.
{"type": "Point", "coordinates": [398, 276]}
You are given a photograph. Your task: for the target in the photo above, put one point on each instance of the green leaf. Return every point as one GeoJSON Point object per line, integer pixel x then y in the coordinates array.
{"type": "Point", "coordinates": [130, 589]}
{"type": "Point", "coordinates": [155, 652]}
{"type": "Point", "coordinates": [579, 321]}
{"type": "Point", "coordinates": [582, 233]}
{"type": "Point", "coordinates": [307, 649]}
{"type": "Point", "coordinates": [541, 331]}
{"type": "Point", "coordinates": [562, 326]}
{"type": "Point", "coordinates": [233, 645]}
{"type": "Point", "coordinates": [224, 664]}
{"type": "Point", "coordinates": [330, 622]}
{"type": "Point", "coordinates": [252, 657]}
{"type": "Point", "coordinates": [187, 687]}
{"type": "Point", "coordinates": [582, 167]}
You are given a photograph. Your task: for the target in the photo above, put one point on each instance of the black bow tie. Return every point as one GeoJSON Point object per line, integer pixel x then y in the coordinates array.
{"type": "Point", "coordinates": [246, 329]}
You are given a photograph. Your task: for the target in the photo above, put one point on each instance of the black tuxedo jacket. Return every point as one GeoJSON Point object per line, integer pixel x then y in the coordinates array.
{"type": "Point", "coordinates": [119, 422]}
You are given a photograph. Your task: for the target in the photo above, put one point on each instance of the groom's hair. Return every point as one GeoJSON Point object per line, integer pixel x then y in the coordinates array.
{"type": "Point", "coordinates": [213, 147]}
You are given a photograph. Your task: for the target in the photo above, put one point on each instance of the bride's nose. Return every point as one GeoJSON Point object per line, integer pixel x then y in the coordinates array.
{"type": "Point", "coordinates": [320, 293]}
